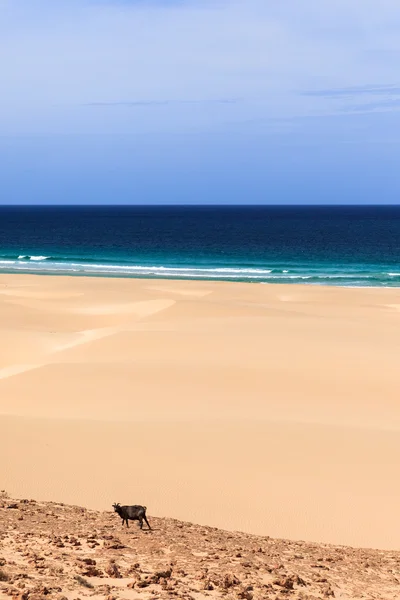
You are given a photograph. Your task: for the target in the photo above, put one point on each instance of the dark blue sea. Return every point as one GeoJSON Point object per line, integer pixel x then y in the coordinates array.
{"type": "Point", "coordinates": [346, 246]}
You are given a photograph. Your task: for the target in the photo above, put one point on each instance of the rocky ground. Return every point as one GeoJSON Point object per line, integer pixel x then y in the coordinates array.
{"type": "Point", "coordinates": [60, 552]}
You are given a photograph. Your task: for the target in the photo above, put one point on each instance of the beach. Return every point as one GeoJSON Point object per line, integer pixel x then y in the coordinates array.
{"type": "Point", "coordinates": [271, 409]}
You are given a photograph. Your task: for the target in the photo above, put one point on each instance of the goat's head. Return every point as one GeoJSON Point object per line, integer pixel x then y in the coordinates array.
{"type": "Point", "coordinates": [116, 506]}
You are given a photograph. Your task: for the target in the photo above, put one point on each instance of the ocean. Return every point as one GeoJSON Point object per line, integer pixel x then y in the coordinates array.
{"type": "Point", "coordinates": [344, 246]}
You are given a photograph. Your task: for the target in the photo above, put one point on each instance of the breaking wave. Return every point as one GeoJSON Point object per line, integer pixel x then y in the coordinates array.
{"type": "Point", "coordinates": [362, 276]}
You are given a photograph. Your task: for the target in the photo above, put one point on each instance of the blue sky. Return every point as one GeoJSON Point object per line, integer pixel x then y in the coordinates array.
{"type": "Point", "coordinates": [199, 101]}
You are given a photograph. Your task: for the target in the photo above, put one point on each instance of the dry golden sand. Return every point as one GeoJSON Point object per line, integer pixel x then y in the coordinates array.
{"type": "Point", "coordinates": [270, 409]}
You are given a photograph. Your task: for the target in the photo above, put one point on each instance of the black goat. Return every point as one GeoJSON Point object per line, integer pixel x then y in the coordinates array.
{"type": "Point", "coordinates": [132, 513]}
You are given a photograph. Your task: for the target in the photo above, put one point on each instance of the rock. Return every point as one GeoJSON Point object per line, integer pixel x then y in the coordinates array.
{"type": "Point", "coordinates": [112, 570]}
{"type": "Point", "coordinates": [88, 561]}
{"type": "Point", "coordinates": [285, 582]}
{"type": "Point", "coordinates": [201, 575]}
{"type": "Point", "coordinates": [327, 591]}
{"type": "Point", "coordinates": [229, 581]}
{"type": "Point", "coordinates": [164, 574]}
{"type": "Point", "coordinates": [246, 593]}
{"type": "Point", "coordinates": [51, 544]}
{"type": "Point", "coordinates": [114, 544]}
{"type": "Point", "coordinates": [92, 571]}
{"type": "Point", "coordinates": [299, 580]}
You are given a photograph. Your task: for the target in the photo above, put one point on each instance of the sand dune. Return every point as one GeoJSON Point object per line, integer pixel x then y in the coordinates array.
{"type": "Point", "coordinates": [280, 399]}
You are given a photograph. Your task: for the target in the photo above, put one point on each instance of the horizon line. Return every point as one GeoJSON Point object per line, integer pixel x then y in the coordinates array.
{"type": "Point", "coordinates": [200, 205]}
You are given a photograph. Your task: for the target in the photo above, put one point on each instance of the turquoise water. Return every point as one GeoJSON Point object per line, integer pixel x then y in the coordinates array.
{"type": "Point", "coordinates": [346, 246]}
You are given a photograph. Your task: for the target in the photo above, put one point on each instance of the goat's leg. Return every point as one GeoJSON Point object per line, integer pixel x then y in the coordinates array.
{"type": "Point", "coordinates": [148, 524]}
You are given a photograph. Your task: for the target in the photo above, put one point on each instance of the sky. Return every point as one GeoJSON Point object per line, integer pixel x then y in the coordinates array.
{"type": "Point", "coordinates": [199, 101]}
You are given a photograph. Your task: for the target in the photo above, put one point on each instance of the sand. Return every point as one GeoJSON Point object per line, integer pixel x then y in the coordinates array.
{"type": "Point", "coordinates": [269, 409]}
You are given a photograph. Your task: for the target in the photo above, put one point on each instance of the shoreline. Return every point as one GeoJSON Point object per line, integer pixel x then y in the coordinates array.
{"type": "Point", "coordinates": [189, 280]}
{"type": "Point", "coordinates": [200, 279]}
{"type": "Point", "coordinates": [270, 409]}
{"type": "Point", "coordinates": [383, 276]}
